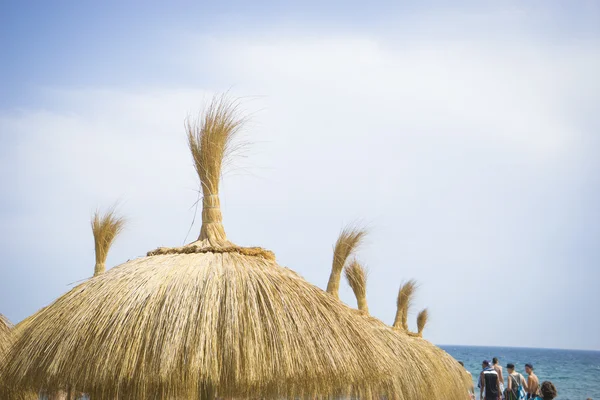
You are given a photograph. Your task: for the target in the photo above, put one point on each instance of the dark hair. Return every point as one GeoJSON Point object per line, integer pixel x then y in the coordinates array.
{"type": "Point", "coordinates": [510, 366]}
{"type": "Point", "coordinates": [495, 360]}
{"type": "Point", "coordinates": [461, 363]}
{"type": "Point", "coordinates": [548, 390]}
{"type": "Point", "coordinates": [529, 365]}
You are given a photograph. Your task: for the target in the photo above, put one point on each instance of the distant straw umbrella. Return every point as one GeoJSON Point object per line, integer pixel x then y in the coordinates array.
{"type": "Point", "coordinates": [5, 344]}
{"type": "Point", "coordinates": [207, 319]}
{"type": "Point", "coordinates": [105, 228]}
{"type": "Point", "coordinates": [421, 371]}
{"type": "Point", "coordinates": [7, 392]}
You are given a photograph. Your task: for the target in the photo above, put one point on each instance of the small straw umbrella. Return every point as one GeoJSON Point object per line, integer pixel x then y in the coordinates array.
{"type": "Point", "coordinates": [5, 344]}
{"type": "Point", "coordinates": [105, 229]}
{"type": "Point", "coordinates": [207, 319]}
{"type": "Point", "coordinates": [6, 341]}
{"type": "Point", "coordinates": [421, 370]}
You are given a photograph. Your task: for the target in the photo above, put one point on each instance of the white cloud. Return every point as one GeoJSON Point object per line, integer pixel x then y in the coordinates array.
{"type": "Point", "coordinates": [449, 149]}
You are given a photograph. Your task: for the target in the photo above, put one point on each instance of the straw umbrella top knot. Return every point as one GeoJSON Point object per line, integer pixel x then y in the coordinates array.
{"type": "Point", "coordinates": [211, 142]}
{"type": "Point", "coordinates": [105, 228]}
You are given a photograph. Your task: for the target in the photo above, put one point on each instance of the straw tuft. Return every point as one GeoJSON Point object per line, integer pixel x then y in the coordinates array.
{"type": "Point", "coordinates": [347, 243]}
{"type": "Point", "coordinates": [422, 319]}
{"type": "Point", "coordinates": [210, 139]}
{"type": "Point", "coordinates": [105, 228]}
{"type": "Point", "coordinates": [356, 275]}
{"type": "Point", "coordinates": [404, 301]}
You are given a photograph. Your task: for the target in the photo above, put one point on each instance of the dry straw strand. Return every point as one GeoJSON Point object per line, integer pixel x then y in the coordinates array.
{"type": "Point", "coordinates": [105, 228]}
{"type": "Point", "coordinates": [348, 241]}
{"type": "Point", "coordinates": [356, 275]}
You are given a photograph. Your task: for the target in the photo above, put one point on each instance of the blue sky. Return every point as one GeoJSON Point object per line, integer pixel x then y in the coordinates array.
{"type": "Point", "coordinates": [466, 137]}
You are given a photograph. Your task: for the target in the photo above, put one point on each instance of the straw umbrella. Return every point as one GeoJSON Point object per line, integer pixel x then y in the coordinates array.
{"type": "Point", "coordinates": [207, 319]}
{"type": "Point", "coordinates": [5, 343]}
{"type": "Point", "coordinates": [422, 371]}
{"type": "Point", "coordinates": [7, 392]}
{"type": "Point", "coordinates": [105, 228]}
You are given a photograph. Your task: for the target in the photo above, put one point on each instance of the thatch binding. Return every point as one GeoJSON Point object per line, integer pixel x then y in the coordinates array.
{"type": "Point", "coordinates": [195, 249]}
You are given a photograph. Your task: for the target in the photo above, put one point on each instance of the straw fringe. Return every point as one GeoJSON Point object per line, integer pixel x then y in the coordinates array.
{"type": "Point", "coordinates": [105, 229]}
{"type": "Point", "coordinates": [243, 325]}
{"type": "Point", "coordinates": [348, 241]}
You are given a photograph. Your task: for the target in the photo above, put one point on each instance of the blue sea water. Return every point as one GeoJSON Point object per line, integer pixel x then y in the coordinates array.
{"type": "Point", "coordinates": [575, 373]}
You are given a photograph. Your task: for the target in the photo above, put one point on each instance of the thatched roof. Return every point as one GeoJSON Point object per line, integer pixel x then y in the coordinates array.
{"type": "Point", "coordinates": [422, 370]}
{"type": "Point", "coordinates": [210, 318]}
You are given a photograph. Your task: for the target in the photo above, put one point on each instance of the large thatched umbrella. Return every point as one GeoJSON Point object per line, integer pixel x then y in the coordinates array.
{"type": "Point", "coordinates": [423, 371]}
{"type": "Point", "coordinates": [207, 319]}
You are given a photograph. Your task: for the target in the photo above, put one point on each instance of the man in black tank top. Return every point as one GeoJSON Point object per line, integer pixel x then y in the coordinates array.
{"type": "Point", "coordinates": [489, 383]}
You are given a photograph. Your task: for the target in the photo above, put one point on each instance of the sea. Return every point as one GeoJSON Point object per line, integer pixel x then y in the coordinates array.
{"type": "Point", "coordinates": [575, 373]}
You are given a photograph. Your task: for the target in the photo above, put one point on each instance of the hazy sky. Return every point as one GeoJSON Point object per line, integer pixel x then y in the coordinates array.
{"type": "Point", "coordinates": [466, 137]}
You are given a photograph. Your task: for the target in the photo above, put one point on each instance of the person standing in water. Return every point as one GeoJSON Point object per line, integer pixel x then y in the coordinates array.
{"type": "Point", "coordinates": [533, 383]}
{"type": "Point", "coordinates": [489, 383]}
{"type": "Point", "coordinates": [498, 368]}
{"type": "Point", "coordinates": [514, 380]}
